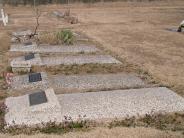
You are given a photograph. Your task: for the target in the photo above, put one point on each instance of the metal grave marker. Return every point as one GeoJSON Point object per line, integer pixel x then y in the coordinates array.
{"type": "Point", "coordinates": [35, 77]}
{"type": "Point", "coordinates": [29, 56]}
{"type": "Point", "coordinates": [27, 43]}
{"type": "Point", "coordinates": [37, 98]}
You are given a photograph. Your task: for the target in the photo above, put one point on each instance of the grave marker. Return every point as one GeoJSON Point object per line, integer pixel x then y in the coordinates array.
{"type": "Point", "coordinates": [37, 98]}
{"type": "Point", "coordinates": [27, 43]}
{"type": "Point", "coordinates": [35, 77]}
{"type": "Point", "coordinates": [29, 56]}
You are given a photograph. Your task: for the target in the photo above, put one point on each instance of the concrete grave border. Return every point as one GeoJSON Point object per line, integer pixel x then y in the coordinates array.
{"type": "Point", "coordinates": [22, 82]}
{"type": "Point", "coordinates": [21, 113]}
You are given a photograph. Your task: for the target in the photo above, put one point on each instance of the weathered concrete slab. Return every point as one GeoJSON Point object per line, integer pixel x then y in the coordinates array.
{"type": "Point", "coordinates": [120, 103]}
{"type": "Point", "coordinates": [22, 82]}
{"type": "Point", "coordinates": [80, 83]}
{"type": "Point", "coordinates": [93, 105]}
{"type": "Point", "coordinates": [59, 14]}
{"type": "Point", "coordinates": [21, 112]}
{"type": "Point", "coordinates": [65, 60]}
{"type": "Point", "coordinates": [53, 48]}
{"type": "Point", "coordinates": [19, 61]}
{"type": "Point", "coordinates": [70, 83]}
{"type": "Point", "coordinates": [22, 33]}
{"type": "Point", "coordinates": [80, 59]}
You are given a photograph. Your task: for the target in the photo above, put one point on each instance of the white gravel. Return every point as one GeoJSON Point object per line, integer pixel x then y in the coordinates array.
{"type": "Point", "coordinates": [19, 61]}
{"type": "Point", "coordinates": [22, 82]}
{"type": "Point", "coordinates": [96, 82]}
{"type": "Point", "coordinates": [93, 105]}
{"type": "Point", "coordinates": [65, 60]}
{"type": "Point", "coordinates": [79, 59]}
{"type": "Point", "coordinates": [120, 103]}
{"type": "Point", "coordinates": [80, 83]}
{"type": "Point", "coordinates": [22, 33]}
{"type": "Point", "coordinates": [53, 48]}
{"type": "Point", "coordinates": [20, 112]}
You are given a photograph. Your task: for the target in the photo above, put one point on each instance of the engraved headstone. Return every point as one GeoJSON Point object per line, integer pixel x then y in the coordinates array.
{"type": "Point", "coordinates": [37, 98]}
{"type": "Point", "coordinates": [35, 77]}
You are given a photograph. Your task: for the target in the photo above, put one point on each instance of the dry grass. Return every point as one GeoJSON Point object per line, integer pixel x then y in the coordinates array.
{"type": "Point", "coordinates": [48, 38]}
{"type": "Point", "coordinates": [4, 46]}
{"type": "Point", "coordinates": [118, 132]}
{"type": "Point", "coordinates": [134, 31]}
{"type": "Point", "coordinates": [84, 69]}
{"type": "Point", "coordinates": [137, 33]}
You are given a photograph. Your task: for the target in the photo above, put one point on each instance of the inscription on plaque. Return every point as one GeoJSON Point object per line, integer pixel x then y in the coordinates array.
{"type": "Point", "coordinates": [37, 98]}
{"type": "Point", "coordinates": [29, 56]}
{"type": "Point", "coordinates": [35, 77]}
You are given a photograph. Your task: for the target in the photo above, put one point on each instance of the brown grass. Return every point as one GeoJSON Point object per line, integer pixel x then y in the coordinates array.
{"type": "Point", "coordinates": [4, 46]}
{"type": "Point", "coordinates": [134, 31]}
{"type": "Point", "coordinates": [118, 132]}
{"type": "Point", "coordinates": [84, 69]}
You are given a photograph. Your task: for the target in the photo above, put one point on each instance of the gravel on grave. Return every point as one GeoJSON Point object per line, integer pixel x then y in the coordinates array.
{"type": "Point", "coordinates": [22, 82]}
{"type": "Point", "coordinates": [93, 105]}
{"type": "Point", "coordinates": [120, 103]}
{"type": "Point", "coordinates": [20, 112]}
{"type": "Point", "coordinates": [22, 33]}
{"type": "Point", "coordinates": [20, 60]}
{"type": "Point", "coordinates": [53, 48]}
{"type": "Point", "coordinates": [96, 82]}
{"type": "Point", "coordinates": [79, 59]}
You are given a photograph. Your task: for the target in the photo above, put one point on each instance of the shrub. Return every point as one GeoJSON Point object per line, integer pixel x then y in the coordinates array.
{"type": "Point", "coordinates": [65, 36]}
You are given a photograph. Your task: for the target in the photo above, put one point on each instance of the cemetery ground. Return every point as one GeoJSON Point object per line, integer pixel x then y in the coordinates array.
{"type": "Point", "coordinates": [135, 33]}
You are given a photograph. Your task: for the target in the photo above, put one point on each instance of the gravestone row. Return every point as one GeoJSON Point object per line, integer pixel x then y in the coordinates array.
{"type": "Point", "coordinates": [44, 106]}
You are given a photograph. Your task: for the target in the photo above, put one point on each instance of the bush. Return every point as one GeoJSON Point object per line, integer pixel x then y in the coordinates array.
{"type": "Point", "coordinates": [65, 36]}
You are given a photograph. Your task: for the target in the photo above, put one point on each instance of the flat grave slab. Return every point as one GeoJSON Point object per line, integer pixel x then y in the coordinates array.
{"type": "Point", "coordinates": [31, 59]}
{"type": "Point", "coordinates": [30, 81]}
{"type": "Point", "coordinates": [59, 14]}
{"type": "Point", "coordinates": [71, 83]}
{"type": "Point", "coordinates": [53, 48]}
{"type": "Point", "coordinates": [22, 33]}
{"type": "Point", "coordinates": [20, 112]}
{"type": "Point", "coordinates": [80, 60]}
{"type": "Point", "coordinates": [120, 103]}
{"type": "Point", "coordinates": [99, 106]}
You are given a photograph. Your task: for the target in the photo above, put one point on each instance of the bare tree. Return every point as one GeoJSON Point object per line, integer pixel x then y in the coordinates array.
{"type": "Point", "coordinates": [34, 33]}
{"type": "Point", "coordinates": [37, 15]}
